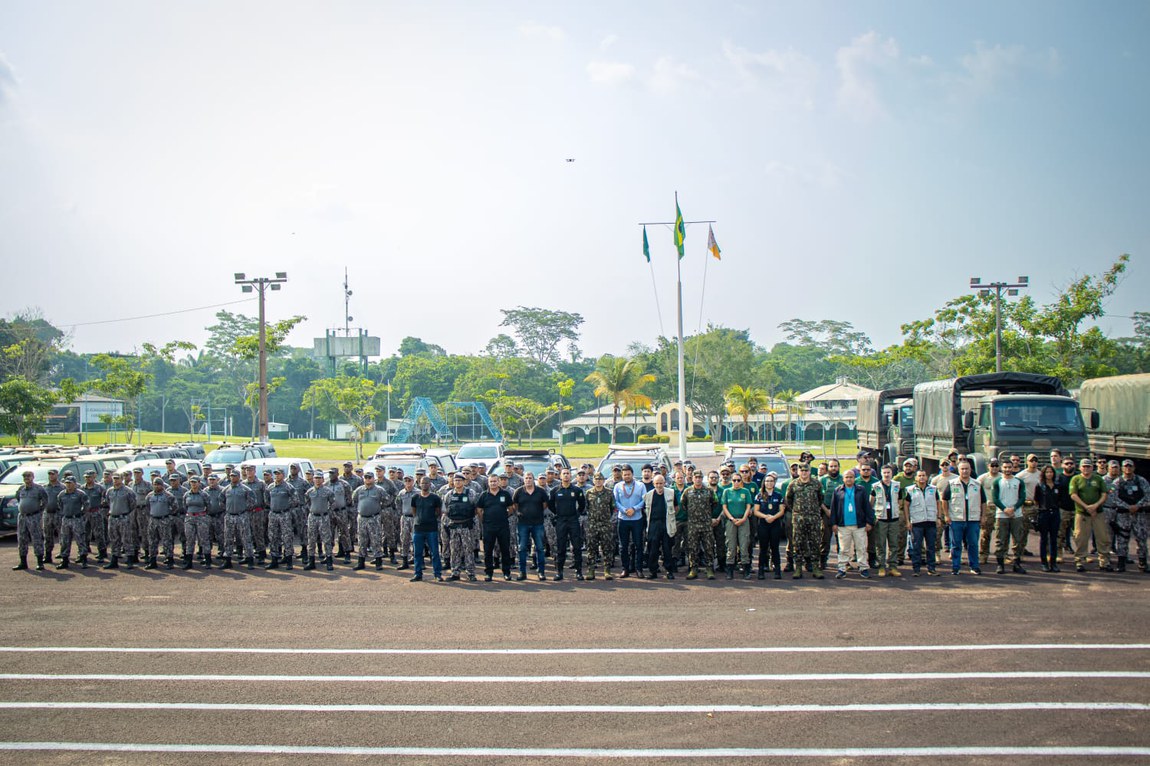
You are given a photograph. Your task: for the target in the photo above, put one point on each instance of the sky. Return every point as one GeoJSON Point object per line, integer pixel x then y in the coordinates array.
{"type": "Point", "coordinates": [861, 161]}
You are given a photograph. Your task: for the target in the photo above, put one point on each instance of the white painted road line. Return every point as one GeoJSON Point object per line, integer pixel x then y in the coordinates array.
{"type": "Point", "coordinates": [560, 679]}
{"type": "Point", "coordinates": [957, 648]}
{"type": "Point", "coordinates": [932, 707]}
{"type": "Point", "coordinates": [516, 752]}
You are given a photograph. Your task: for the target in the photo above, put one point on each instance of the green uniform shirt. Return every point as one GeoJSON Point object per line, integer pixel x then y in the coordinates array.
{"type": "Point", "coordinates": [830, 484]}
{"type": "Point", "coordinates": [1090, 490]}
{"type": "Point", "coordinates": [719, 491]}
{"type": "Point", "coordinates": [737, 501]}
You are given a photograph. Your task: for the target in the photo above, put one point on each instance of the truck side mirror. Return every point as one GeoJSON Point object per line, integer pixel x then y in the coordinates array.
{"type": "Point", "coordinates": [1095, 420]}
{"type": "Point", "coordinates": [887, 419]}
{"type": "Point", "coordinates": [968, 420]}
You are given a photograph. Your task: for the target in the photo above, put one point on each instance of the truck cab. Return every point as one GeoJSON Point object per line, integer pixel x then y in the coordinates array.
{"type": "Point", "coordinates": [1022, 423]}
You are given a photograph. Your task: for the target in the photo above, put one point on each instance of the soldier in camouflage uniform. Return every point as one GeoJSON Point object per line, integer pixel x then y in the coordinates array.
{"type": "Point", "coordinates": [299, 514]}
{"type": "Point", "coordinates": [700, 502]}
{"type": "Point", "coordinates": [600, 532]}
{"type": "Point", "coordinates": [460, 505]}
{"type": "Point", "coordinates": [342, 514]}
{"type": "Point", "coordinates": [142, 487]}
{"type": "Point", "coordinates": [162, 506]}
{"type": "Point", "coordinates": [31, 500]}
{"type": "Point", "coordinates": [406, 522]}
{"type": "Point", "coordinates": [354, 482]}
{"type": "Point", "coordinates": [51, 523]}
{"type": "Point", "coordinates": [121, 512]}
{"type": "Point", "coordinates": [513, 520]}
{"type": "Point", "coordinates": [197, 523]}
{"type": "Point", "coordinates": [96, 517]}
{"type": "Point", "coordinates": [258, 512]}
{"type": "Point", "coordinates": [388, 520]}
{"type": "Point", "coordinates": [237, 521]}
{"type": "Point", "coordinates": [320, 502]}
{"type": "Point", "coordinates": [1132, 514]}
{"type": "Point", "coordinates": [215, 498]}
{"type": "Point", "coordinates": [73, 526]}
{"type": "Point", "coordinates": [369, 503]}
{"type": "Point", "coordinates": [805, 499]}
{"type": "Point", "coordinates": [178, 490]}
{"type": "Point", "coordinates": [282, 502]}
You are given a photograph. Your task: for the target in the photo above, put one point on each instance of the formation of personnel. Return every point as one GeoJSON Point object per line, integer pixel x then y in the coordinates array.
{"type": "Point", "coordinates": [876, 518]}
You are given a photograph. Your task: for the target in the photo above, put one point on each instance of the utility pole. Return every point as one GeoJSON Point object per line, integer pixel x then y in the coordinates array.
{"type": "Point", "coordinates": [986, 289]}
{"type": "Point", "coordinates": [261, 285]}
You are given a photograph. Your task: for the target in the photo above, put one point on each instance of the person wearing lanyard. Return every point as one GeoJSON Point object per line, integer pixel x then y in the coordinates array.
{"type": "Point", "coordinates": [629, 503]}
{"type": "Point", "coordinates": [769, 510]}
{"type": "Point", "coordinates": [1009, 496]}
{"type": "Point", "coordinates": [962, 504]}
{"type": "Point", "coordinates": [1049, 517]}
{"type": "Point", "coordinates": [886, 496]}
{"type": "Point", "coordinates": [852, 518]}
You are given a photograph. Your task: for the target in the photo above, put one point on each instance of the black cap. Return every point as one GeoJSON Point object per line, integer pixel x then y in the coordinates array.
{"type": "Point", "coordinates": [348, 464]}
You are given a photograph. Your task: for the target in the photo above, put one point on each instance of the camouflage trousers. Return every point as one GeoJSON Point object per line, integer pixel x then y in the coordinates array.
{"type": "Point", "coordinates": [73, 530]}
{"type": "Point", "coordinates": [97, 532]}
{"type": "Point", "coordinates": [160, 533]}
{"type": "Point", "coordinates": [51, 531]}
{"type": "Point", "coordinates": [281, 534]}
{"type": "Point", "coordinates": [197, 532]}
{"type": "Point", "coordinates": [549, 531]}
{"type": "Point", "coordinates": [237, 530]}
{"type": "Point", "coordinates": [179, 533]}
{"type": "Point", "coordinates": [341, 528]}
{"type": "Point", "coordinates": [216, 532]}
{"type": "Point", "coordinates": [1121, 527]}
{"type": "Point", "coordinates": [370, 529]}
{"type": "Point", "coordinates": [389, 530]}
{"type": "Point", "coordinates": [120, 540]}
{"type": "Point", "coordinates": [700, 545]}
{"type": "Point", "coordinates": [299, 520]}
{"type": "Point", "coordinates": [30, 529]}
{"type": "Point", "coordinates": [513, 525]}
{"type": "Point", "coordinates": [260, 530]}
{"type": "Point", "coordinates": [319, 535]}
{"type": "Point", "coordinates": [600, 543]}
{"type": "Point", "coordinates": [1065, 532]}
{"type": "Point", "coordinates": [140, 527]}
{"type": "Point", "coordinates": [986, 532]}
{"type": "Point", "coordinates": [406, 532]}
{"type": "Point", "coordinates": [808, 538]}
{"type": "Point", "coordinates": [463, 550]}
{"type": "Point", "coordinates": [1141, 534]}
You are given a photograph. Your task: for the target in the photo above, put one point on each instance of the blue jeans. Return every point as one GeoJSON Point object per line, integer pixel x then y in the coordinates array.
{"type": "Point", "coordinates": [431, 539]}
{"type": "Point", "coordinates": [963, 532]}
{"type": "Point", "coordinates": [926, 532]}
{"type": "Point", "coordinates": [529, 532]}
{"type": "Point", "coordinates": [631, 543]}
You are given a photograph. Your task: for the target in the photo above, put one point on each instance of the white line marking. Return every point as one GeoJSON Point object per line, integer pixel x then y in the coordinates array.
{"type": "Point", "coordinates": [708, 677]}
{"type": "Point", "coordinates": [575, 650]}
{"type": "Point", "coordinates": [896, 707]}
{"type": "Point", "coordinates": [515, 752]}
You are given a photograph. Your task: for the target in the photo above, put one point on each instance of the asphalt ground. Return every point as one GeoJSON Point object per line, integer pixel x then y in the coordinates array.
{"type": "Point", "coordinates": [257, 667]}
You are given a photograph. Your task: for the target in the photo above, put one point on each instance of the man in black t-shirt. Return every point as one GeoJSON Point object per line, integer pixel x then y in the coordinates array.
{"type": "Point", "coordinates": [494, 507]}
{"type": "Point", "coordinates": [569, 505]}
{"type": "Point", "coordinates": [426, 507]}
{"type": "Point", "coordinates": [531, 504]}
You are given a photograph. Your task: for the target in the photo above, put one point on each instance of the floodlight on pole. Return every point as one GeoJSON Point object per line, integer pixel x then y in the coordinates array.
{"type": "Point", "coordinates": [997, 288]}
{"type": "Point", "coordinates": [260, 285]}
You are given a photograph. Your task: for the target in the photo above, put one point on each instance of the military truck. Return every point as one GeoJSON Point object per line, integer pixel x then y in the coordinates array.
{"type": "Point", "coordinates": [994, 415]}
{"type": "Point", "coordinates": [885, 437]}
{"type": "Point", "coordinates": [1121, 407]}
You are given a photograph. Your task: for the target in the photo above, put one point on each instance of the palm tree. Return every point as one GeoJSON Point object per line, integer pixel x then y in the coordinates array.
{"type": "Point", "coordinates": [790, 401]}
{"type": "Point", "coordinates": [745, 401]}
{"type": "Point", "coordinates": [622, 381]}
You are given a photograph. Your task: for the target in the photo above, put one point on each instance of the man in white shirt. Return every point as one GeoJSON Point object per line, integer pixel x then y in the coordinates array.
{"type": "Point", "coordinates": [1009, 524]}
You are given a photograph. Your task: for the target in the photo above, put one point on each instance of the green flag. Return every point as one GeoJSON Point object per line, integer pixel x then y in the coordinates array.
{"type": "Point", "coordinates": [680, 229]}
{"type": "Point", "coordinates": [646, 247]}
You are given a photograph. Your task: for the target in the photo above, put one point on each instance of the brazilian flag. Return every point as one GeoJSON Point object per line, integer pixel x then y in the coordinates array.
{"type": "Point", "coordinates": [680, 229]}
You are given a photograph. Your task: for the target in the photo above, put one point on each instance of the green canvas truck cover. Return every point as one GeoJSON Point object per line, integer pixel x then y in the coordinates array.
{"type": "Point", "coordinates": [1122, 402]}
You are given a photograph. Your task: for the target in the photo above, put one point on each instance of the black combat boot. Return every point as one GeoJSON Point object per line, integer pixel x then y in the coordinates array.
{"type": "Point", "coordinates": [227, 563]}
{"type": "Point", "coordinates": [48, 554]}
{"type": "Point", "coordinates": [287, 563]}
{"type": "Point", "coordinates": [169, 562]}
{"type": "Point", "coordinates": [327, 564]}
{"type": "Point", "coordinates": [83, 560]}
{"type": "Point", "coordinates": [1121, 564]}
{"type": "Point", "coordinates": [392, 558]}
{"type": "Point", "coordinates": [558, 576]}
{"type": "Point", "coordinates": [379, 563]}
{"type": "Point", "coordinates": [1017, 568]}
{"type": "Point", "coordinates": [730, 573]}
{"type": "Point", "coordinates": [113, 564]}
{"type": "Point", "coordinates": [275, 564]}
{"type": "Point", "coordinates": [347, 557]}
{"type": "Point", "coordinates": [23, 563]}
{"type": "Point", "coordinates": [187, 561]}
{"type": "Point", "coordinates": [762, 573]}
{"type": "Point", "coordinates": [249, 562]}
{"type": "Point", "coordinates": [151, 564]}
{"type": "Point", "coordinates": [63, 563]}
{"type": "Point", "coordinates": [102, 556]}
{"type": "Point", "coordinates": [207, 561]}
{"type": "Point", "coordinates": [359, 564]}
{"type": "Point", "coordinates": [1001, 567]}
{"type": "Point", "coordinates": [747, 572]}
{"type": "Point", "coordinates": [39, 564]}
{"type": "Point", "coordinates": [309, 563]}
{"type": "Point", "coordinates": [132, 561]}
{"type": "Point", "coordinates": [405, 565]}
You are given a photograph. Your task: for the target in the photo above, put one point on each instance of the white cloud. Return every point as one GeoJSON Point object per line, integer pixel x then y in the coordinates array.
{"type": "Point", "coordinates": [610, 72]}
{"type": "Point", "coordinates": [533, 29]}
{"type": "Point", "coordinates": [788, 75]}
{"type": "Point", "coordinates": [668, 75]}
{"type": "Point", "coordinates": [608, 41]}
{"type": "Point", "coordinates": [859, 65]}
{"type": "Point", "coordinates": [7, 80]}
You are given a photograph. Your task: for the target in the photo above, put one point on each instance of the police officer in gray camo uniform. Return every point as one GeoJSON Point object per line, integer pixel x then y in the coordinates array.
{"type": "Point", "coordinates": [282, 502]}
{"type": "Point", "coordinates": [406, 520]}
{"type": "Point", "coordinates": [142, 487]}
{"type": "Point", "coordinates": [389, 520]}
{"type": "Point", "coordinates": [461, 512]}
{"type": "Point", "coordinates": [238, 502]}
{"type": "Point", "coordinates": [162, 506]}
{"type": "Point", "coordinates": [258, 513]}
{"type": "Point", "coordinates": [96, 516]}
{"type": "Point", "coordinates": [31, 500]}
{"type": "Point", "coordinates": [354, 482]}
{"type": "Point", "coordinates": [51, 525]}
{"type": "Point", "coordinates": [73, 526]}
{"type": "Point", "coordinates": [299, 515]}
{"type": "Point", "coordinates": [215, 500]}
{"type": "Point", "coordinates": [341, 511]}
{"type": "Point", "coordinates": [369, 502]}
{"type": "Point", "coordinates": [197, 523]}
{"type": "Point", "coordinates": [320, 502]}
{"type": "Point", "coordinates": [438, 480]}
{"type": "Point", "coordinates": [121, 510]}
{"type": "Point", "coordinates": [178, 491]}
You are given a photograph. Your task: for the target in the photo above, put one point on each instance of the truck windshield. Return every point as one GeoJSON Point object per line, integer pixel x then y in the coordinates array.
{"type": "Point", "coordinates": [1037, 415]}
{"type": "Point", "coordinates": [906, 418]}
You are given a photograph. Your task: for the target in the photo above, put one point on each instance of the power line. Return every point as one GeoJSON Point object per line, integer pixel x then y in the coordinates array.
{"type": "Point", "coordinates": [153, 316]}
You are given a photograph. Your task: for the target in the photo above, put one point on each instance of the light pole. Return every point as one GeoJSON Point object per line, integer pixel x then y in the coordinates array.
{"type": "Point", "coordinates": [260, 285]}
{"type": "Point", "coordinates": [1011, 289]}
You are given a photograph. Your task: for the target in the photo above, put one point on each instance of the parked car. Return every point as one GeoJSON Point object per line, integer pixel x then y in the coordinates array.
{"type": "Point", "coordinates": [770, 457]}
{"type": "Point", "coordinates": [195, 449]}
{"type": "Point", "coordinates": [636, 456]}
{"type": "Point", "coordinates": [385, 449]}
{"type": "Point", "coordinates": [410, 462]}
{"type": "Point", "coordinates": [39, 468]}
{"type": "Point", "coordinates": [183, 465]}
{"type": "Point", "coordinates": [232, 454]}
{"type": "Point", "coordinates": [446, 459]}
{"type": "Point", "coordinates": [534, 460]}
{"type": "Point", "coordinates": [283, 463]}
{"type": "Point", "coordinates": [479, 452]}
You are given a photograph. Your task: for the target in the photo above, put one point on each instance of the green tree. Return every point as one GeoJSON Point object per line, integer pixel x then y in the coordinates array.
{"type": "Point", "coordinates": [791, 405]}
{"type": "Point", "coordinates": [24, 408]}
{"type": "Point", "coordinates": [622, 381]}
{"type": "Point", "coordinates": [410, 346]}
{"type": "Point", "coordinates": [347, 399]}
{"type": "Point", "coordinates": [745, 401]}
{"type": "Point", "coordinates": [522, 415]}
{"type": "Point", "coordinates": [540, 331]}
{"type": "Point", "coordinates": [502, 346]}
{"type": "Point", "coordinates": [127, 378]}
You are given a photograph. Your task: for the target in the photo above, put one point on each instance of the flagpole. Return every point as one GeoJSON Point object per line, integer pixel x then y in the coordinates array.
{"type": "Point", "coordinates": [682, 389]}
